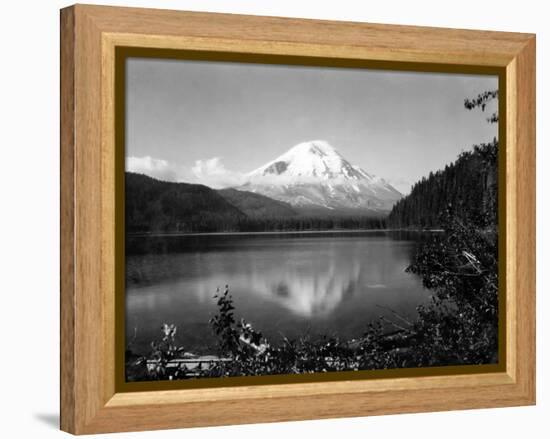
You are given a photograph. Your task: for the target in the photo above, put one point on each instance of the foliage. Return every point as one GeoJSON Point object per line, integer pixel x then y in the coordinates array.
{"type": "Point", "coordinates": [223, 323]}
{"type": "Point", "coordinates": [481, 101]}
{"type": "Point", "coordinates": [461, 322]}
{"type": "Point", "coordinates": [164, 351]}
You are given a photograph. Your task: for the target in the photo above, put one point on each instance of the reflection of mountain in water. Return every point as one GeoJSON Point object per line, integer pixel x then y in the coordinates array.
{"type": "Point", "coordinates": [310, 287]}
{"type": "Point", "coordinates": [306, 293]}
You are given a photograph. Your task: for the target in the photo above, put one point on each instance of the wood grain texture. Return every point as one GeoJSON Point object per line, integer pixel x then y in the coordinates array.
{"type": "Point", "coordinates": [524, 252]}
{"type": "Point", "coordinates": [511, 214]}
{"type": "Point", "coordinates": [374, 41]}
{"type": "Point", "coordinates": [90, 35]}
{"type": "Point", "coordinates": [67, 254]}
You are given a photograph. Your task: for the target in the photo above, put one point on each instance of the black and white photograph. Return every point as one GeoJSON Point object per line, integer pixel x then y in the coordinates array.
{"type": "Point", "coordinates": [288, 219]}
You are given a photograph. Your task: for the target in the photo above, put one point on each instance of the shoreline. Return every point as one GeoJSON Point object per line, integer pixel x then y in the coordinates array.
{"type": "Point", "coordinates": [282, 232]}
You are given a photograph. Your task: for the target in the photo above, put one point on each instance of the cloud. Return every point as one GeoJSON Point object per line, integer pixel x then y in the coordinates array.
{"type": "Point", "coordinates": [213, 173]}
{"type": "Point", "coordinates": [210, 172]}
{"type": "Point", "coordinates": [156, 168]}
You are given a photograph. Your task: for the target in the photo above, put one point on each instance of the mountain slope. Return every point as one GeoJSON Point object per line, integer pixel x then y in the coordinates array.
{"type": "Point", "coordinates": [314, 175]}
{"type": "Point", "coordinates": [159, 206]}
{"type": "Point", "coordinates": [256, 205]}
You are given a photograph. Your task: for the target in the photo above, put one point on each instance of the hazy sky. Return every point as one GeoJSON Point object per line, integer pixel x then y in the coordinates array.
{"type": "Point", "coordinates": [210, 122]}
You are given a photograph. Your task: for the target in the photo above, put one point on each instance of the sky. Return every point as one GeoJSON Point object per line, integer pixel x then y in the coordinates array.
{"type": "Point", "coordinates": [211, 122]}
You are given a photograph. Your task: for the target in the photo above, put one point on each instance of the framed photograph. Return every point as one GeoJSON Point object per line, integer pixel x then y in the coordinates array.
{"type": "Point", "coordinates": [268, 219]}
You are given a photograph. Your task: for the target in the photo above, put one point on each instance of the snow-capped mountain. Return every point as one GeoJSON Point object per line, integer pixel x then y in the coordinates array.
{"type": "Point", "coordinates": [314, 174]}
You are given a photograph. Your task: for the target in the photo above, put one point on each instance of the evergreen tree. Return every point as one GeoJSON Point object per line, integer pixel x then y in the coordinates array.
{"type": "Point", "coordinates": [465, 189]}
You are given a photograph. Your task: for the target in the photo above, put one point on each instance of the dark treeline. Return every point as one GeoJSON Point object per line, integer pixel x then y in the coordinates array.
{"type": "Point", "coordinates": [154, 206]}
{"type": "Point", "coordinates": [304, 223]}
{"type": "Point", "coordinates": [294, 224]}
{"type": "Point", "coordinates": [465, 190]}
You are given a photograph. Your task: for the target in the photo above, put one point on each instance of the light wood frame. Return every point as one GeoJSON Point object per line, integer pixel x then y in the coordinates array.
{"type": "Point", "coordinates": [89, 36]}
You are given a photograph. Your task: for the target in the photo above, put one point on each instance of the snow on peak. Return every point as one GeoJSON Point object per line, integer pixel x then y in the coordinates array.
{"type": "Point", "coordinates": [316, 147]}
{"type": "Point", "coordinates": [316, 159]}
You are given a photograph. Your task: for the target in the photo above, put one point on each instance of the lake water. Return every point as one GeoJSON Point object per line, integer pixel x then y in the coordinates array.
{"type": "Point", "coordinates": [284, 284]}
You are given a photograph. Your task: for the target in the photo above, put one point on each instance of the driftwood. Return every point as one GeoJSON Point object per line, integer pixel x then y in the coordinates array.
{"type": "Point", "coordinates": [190, 364]}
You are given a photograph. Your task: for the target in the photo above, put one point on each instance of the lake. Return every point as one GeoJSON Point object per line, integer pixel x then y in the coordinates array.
{"type": "Point", "coordinates": [285, 285]}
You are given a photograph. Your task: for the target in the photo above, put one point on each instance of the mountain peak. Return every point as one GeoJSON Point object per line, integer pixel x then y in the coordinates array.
{"type": "Point", "coordinates": [315, 173]}
{"type": "Point", "coordinates": [308, 160]}
{"type": "Point", "coordinates": [318, 147]}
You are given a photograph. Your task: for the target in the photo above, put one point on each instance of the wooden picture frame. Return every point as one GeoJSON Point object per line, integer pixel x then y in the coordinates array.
{"type": "Point", "coordinates": [91, 400]}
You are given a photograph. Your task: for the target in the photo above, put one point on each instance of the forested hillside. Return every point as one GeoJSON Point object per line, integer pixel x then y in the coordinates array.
{"type": "Point", "coordinates": [159, 206]}
{"type": "Point", "coordinates": [465, 190]}
{"type": "Point", "coordinates": [154, 206]}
